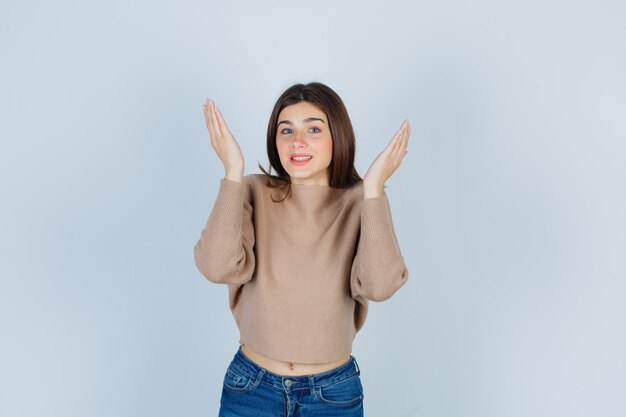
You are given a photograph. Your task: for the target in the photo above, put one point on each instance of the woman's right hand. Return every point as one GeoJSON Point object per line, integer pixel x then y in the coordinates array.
{"type": "Point", "coordinates": [224, 142]}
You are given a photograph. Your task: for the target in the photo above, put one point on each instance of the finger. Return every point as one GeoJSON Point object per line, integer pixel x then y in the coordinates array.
{"type": "Point", "coordinates": [208, 118]}
{"type": "Point", "coordinates": [205, 107]}
{"type": "Point", "coordinates": [210, 123]}
{"type": "Point", "coordinates": [403, 142]}
{"type": "Point", "coordinates": [216, 125]}
{"type": "Point", "coordinates": [404, 147]}
{"type": "Point", "coordinates": [405, 137]}
{"type": "Point", "coordinates": [397, 145]}
{"type": "Point", "coordinates": [406, 141]}
{"type": "Point", "coordinates": [220, 118]}
{"type": "Point", "coordinates": [392, 143]}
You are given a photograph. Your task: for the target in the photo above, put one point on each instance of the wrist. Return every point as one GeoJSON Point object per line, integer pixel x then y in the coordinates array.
{"type": "Point", "coordinates": [234, 175]}
{"type": "Point", "coordinates": [372, 190]}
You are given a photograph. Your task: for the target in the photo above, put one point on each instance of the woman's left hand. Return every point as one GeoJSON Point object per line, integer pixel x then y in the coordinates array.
{"type": "Point", "coordinates": [388, 160]}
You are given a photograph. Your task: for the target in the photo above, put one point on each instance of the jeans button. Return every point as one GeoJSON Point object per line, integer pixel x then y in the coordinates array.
{"type": "Point", "coordinates": [288, 382]}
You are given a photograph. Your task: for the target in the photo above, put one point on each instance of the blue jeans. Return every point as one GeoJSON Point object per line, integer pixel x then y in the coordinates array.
{"type": "Point", "coordinates": [250, 390]}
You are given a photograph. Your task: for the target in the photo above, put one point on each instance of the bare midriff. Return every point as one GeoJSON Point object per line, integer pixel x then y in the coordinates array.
{"type": "Point", "coordinates": [290, 368]}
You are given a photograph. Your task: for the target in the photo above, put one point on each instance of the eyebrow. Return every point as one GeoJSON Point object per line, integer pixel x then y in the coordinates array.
{"type": "Point", "coordinates": [307, 120]}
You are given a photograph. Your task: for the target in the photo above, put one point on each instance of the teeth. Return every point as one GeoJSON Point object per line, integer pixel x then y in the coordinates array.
{"type": "Point", "coordinates": [301, 158]}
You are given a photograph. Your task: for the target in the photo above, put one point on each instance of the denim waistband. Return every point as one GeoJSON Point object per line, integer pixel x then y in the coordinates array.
{"type": "Point", "coordinates": [294, 382]}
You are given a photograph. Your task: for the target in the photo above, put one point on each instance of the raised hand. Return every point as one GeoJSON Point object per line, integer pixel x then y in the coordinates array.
{"type": "Point", "coordinates": [387, 162]}
{"type": "Point", "coordinates": [223, 142]}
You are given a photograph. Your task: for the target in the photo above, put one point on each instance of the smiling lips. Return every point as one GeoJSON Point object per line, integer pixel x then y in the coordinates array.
{"type": "Point", "coordinates": [300, 159]}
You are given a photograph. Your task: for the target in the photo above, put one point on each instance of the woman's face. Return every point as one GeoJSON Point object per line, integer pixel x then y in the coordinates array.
{"type": "Point", "coordinates": [303, 133]}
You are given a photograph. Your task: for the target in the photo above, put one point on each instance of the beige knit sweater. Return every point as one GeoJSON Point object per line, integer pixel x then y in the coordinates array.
{"type": "Point", "coordinates": [300, 272]}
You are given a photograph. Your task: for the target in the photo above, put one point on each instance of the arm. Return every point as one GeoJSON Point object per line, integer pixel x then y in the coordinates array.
{"type": "Point", "coordinates": [224, 253]}
{"type": "Point", "coordinates": [378, 269]}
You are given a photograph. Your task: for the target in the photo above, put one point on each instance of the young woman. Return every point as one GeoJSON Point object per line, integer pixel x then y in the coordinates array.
{"type": "Point", "coordinates": [302, 253]}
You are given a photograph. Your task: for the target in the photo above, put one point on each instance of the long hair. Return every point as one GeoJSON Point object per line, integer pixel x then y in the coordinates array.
{"type": "Point", "coordinates": [342, 173]}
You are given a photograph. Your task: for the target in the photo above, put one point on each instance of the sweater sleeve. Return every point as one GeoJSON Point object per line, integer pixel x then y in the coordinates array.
{"type": "Point", "coordinates": [224, 254]}
{"type": "Point", "coordinates": [378, 268]}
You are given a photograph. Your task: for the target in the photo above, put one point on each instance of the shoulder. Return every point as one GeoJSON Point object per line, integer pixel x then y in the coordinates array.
{"type": "Point", "coordinates": [355, 191]}
{"type": "Point", "coordinates": [254, 181]}
{"type": "Point", "coordinates": [248, 185]}
{"type": "Point", "coordinates": [351, 196]}
{"type": "Point", "coordinates": [255, 186]}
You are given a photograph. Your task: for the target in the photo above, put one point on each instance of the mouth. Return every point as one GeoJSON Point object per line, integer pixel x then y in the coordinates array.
{"type": "Point", "coordinates": [300, 159]}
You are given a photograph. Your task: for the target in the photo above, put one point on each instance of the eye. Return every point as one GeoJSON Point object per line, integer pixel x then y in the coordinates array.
{"type": "Point", "coordinates": [315, 130]}
{"type": "Point", "coordinates": [285, 131]}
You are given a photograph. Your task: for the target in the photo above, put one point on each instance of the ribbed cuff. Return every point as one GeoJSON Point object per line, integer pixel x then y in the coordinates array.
{"type": "Point", "coordinates": [230, 202]}
{"type": "Point", "coordinates": [377, 224]}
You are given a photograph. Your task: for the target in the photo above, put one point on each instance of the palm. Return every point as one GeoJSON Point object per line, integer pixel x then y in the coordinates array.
{"type": "Point", "coordinates": [390, 158]}
{"type": "Point", "coordinates": [222, 140]}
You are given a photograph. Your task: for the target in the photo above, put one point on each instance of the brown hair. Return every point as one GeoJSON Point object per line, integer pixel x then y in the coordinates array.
{"type": "Point", "coordinates": [342, 172]}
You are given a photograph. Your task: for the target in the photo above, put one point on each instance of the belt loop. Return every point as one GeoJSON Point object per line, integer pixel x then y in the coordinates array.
{"type": "Point", "coordinates": [259, 377]}
{"type": "Point", "coordinates": [358, 371]}
{"type": "Point", "coordinates": [312, 384]}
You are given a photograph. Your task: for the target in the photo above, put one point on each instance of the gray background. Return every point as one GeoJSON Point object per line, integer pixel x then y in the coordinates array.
{"type": "Point", "coordinates": [509, 207]}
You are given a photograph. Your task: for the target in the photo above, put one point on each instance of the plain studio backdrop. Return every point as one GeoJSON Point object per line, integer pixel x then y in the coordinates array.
{"type": "Point", "coordinates": [509, 207]}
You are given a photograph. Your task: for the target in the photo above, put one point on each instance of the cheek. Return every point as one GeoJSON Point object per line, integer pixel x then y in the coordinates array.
{"type": "Point", "coordinates": [281, 147]}
{"type": "Point", "coordinates": [327, 147]}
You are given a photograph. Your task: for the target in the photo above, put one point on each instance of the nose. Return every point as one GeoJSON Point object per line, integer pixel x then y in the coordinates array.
{"type": "Point", "coordinates": [297, 142]}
